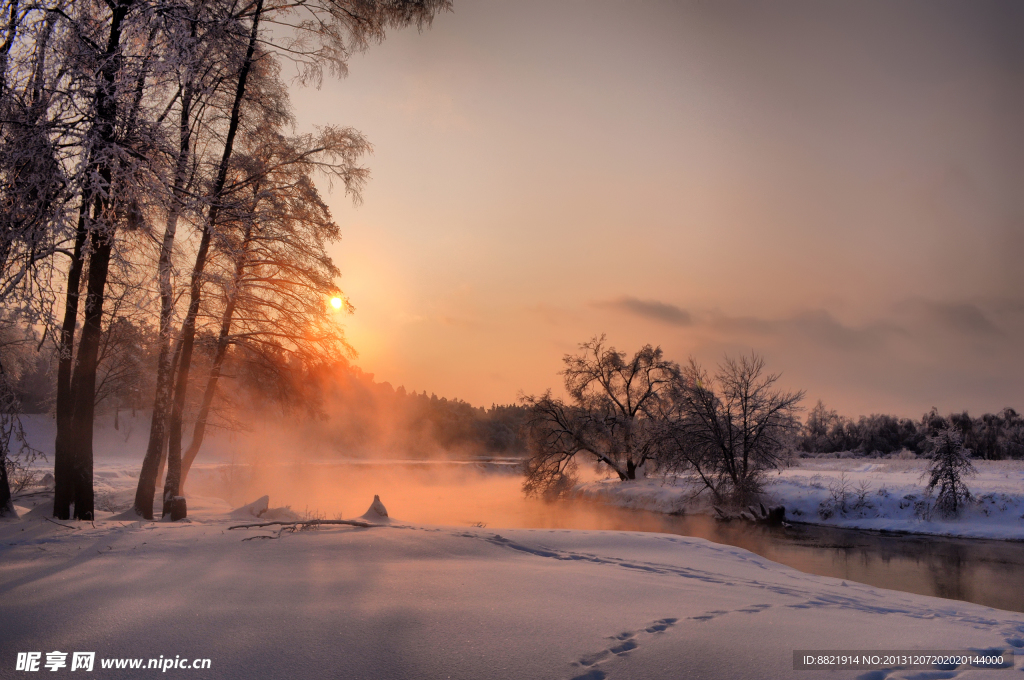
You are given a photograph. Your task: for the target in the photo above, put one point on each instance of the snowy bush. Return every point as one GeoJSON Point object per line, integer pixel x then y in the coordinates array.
{"type": "Point", "coordinates": [845, 498]}
{"type": "Point", "coordinates": [840, 490]}
{"type": "Point", "coordinates": [861, 492]}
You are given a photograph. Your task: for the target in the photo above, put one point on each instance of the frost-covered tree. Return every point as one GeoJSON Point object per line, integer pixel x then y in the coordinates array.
{"type": "Point", "coordinates": [613, 416]}
{"type": "Point", "coordinates": [318, 34]}
{"type": "Point", "coordinates": [206, 42]}
{"type": "Point", "coordinates": [34, 125]}
{"type": "Point", "coordinates": [951, 463]}
{"type": "Point", "coordinates": [16, 455]}
{"type": "Point", "coordinates": [113, 52]}
{"type": "Point", "coordinates": [117, 115]}
{"type": "Point", "coordinates": [273, 272]}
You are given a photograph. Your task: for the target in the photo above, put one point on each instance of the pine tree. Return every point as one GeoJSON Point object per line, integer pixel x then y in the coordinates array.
{"type": "Point", "coordinates": [951, 462]}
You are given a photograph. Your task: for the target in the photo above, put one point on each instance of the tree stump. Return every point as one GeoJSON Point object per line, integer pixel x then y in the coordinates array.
{"type": "Point", "coordinates": [176, 508]}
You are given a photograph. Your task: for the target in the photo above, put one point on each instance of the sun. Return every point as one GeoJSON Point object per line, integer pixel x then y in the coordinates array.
{"type": "Point", "coordinates": [336, 303]}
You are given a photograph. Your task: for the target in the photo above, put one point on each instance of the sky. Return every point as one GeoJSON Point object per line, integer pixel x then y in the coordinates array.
{"type": "Point", "coordinates": [838, 186]}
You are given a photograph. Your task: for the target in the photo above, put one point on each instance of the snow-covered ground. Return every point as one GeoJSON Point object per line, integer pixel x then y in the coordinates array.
{"type": "Point", "coordinates": [880, 494]}
{"type": "Point", "coordinates": [399, 600]}
{"type": "Point", "coordinates": [411, 600]}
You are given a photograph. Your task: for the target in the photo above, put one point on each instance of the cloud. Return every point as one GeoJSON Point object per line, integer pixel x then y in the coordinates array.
{"type": "Point", "coordinates": [648, 309]}
{"type": "Point", "coordinates": [816, 325]}
{"type": "Point", "coordinates": [962, 317]}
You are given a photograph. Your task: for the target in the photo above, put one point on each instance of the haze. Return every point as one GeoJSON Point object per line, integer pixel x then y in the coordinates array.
{"type": "Point", "coordinates": [834, 185]}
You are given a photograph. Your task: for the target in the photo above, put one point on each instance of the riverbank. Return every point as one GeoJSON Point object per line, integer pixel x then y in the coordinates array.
{"type": "Point", "coordinates": [402, 600]}
{"type": "Point", "coordinates": [859, 493]}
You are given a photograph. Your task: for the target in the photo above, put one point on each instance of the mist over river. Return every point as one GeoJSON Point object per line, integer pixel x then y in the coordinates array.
{"type": "Point", "coordinates": [465, 493]}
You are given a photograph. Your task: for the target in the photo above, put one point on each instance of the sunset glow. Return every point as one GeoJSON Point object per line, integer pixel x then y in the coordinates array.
{"type": "Point", "coordinates": [599, 340]}
{"type": "Point", "coordinates": [835, 185]}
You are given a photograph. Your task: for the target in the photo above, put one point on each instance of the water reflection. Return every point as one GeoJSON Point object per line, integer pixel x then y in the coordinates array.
{"type": "Point", "coordinates": [984, 572]}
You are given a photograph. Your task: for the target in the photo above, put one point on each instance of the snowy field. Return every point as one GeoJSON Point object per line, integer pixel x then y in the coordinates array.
{"type": "Point", "coordinates": [879, 494]}
{"type": "Point", "coordinates": [398, 600]}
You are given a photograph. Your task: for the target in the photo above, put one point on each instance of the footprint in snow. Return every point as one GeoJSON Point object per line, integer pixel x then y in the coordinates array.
{"type": "Point", "coordinates": [874, 675]}
{"type": "Point", "coordinates": [624, 643]}
{"type": "Point", "coordinates": [750, 609]}
{"type": "Point", "coordinates": [592, 674]}
{"type": "Point", "coordinates": [707, 616]}
{"type": "Point", "coordinates": [754, 608]}
{"type": "Point", "coordinates": [623, 647]}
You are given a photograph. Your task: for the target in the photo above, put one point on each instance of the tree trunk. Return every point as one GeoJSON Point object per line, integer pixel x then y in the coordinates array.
{"type": "Point", "coordinates": [188, 326]}
{"type": "Point", "coordinates": [63, 467]}
{"type": "Point", "coordinates": [101, 236]}
{"type": "Point", "coordinates": [83, 382]}
{"type": "Point", "coordinates": [153, 462]}
{"type": "Point", "coordinates": [161, 472]}
{"type": "Point", "coordinates": [199, 432]}
{"type": "Point", "coordinates": [6, 503]}
{"type": "Point", "coordinates": [10, 31]}
{"type": "Point", "coordinates": [630, 469]}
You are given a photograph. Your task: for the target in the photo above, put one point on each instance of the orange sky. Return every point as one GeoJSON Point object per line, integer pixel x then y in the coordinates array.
{"type": "Point", "coordinates": [834, 185]}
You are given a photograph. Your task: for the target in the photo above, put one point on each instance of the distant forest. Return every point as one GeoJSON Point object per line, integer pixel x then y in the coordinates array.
{"type": "Point", "coordinates": [354, 415]}
{"type": "Point", "coordinates": [993, 436]}
{"type": "Point", "coordinates": [336, 403]}
{"type": "Point", "coordinates": [369, 418]}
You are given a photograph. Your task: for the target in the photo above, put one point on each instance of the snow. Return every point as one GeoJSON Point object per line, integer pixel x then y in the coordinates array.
{"type": "Point", "coordinates": [411, 600]}
{"type": "Point", "coordinates": [402, 600]}
{"type": "Point", "coordinates": [883, 495]}
{"type": "Point", "coordinates": [260, 508]}
{"type": "Point", "coordinates": [376, 512]}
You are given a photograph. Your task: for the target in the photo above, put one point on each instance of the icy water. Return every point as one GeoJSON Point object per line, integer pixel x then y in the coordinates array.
{"type": "Point", "coordinates": [980, 571]}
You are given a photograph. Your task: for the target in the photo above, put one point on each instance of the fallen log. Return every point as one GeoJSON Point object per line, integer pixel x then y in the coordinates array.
{"type": "Point", "coordinates": [308, 522]}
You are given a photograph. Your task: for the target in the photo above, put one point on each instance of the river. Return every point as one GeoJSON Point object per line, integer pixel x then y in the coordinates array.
{"type": "Point", "coordinates": [982, 571]}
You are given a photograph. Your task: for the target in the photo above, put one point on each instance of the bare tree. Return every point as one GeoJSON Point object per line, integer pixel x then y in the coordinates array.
{"type": "Point", "coordinates": [728, 430]}
{"type": "Point", "coordinates": [613, 417]}
{"type": "Point", "coordinates": [124, 369]}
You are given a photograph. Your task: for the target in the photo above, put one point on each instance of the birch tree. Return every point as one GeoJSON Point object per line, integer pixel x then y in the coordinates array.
{"type": "Point", "coordinates": [204, 43]}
